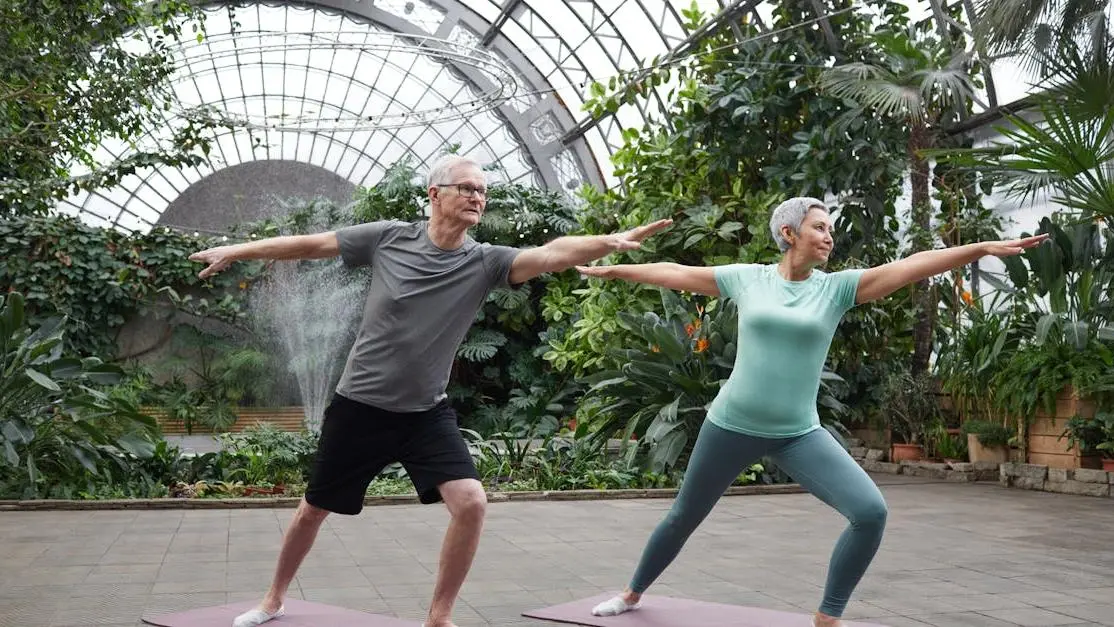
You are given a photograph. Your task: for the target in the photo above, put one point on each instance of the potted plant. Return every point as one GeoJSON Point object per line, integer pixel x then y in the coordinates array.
{"type": "Point", "coordinates": [1092, 437]}
{"type": "Point", "coordinates": [910, 409]}
{"type": "Point", "coordinates": [1103, 426]}
{"type": "Point", "coordinates": [987, 441]}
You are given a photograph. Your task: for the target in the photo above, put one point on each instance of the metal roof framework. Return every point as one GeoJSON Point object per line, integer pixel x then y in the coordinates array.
{"type": "Point", "coordinates": [553, 50]}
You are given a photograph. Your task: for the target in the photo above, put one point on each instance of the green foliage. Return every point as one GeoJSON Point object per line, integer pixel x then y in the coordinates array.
{"type": "Point", "coordinates": [1091, 435]}
{"type": "Point", "coordinates": [745, 128]}
{"type": "Point", "coordinates": [667, 379]}
{"type": "Point", "coordinates": [1038, 34]}
{"type": "Point", "coordinates": [1067, 283]}
{"type": "Point", "coordinates": [910, 406]}
{"type": "Point", "coordinates": [1063, 287]}
{"type": "Point", "coordinates": [262, 454]}
{"type": "Point", "coordinates": [979, 342]}
{"type": "Point", "coordinates": [57, 423]}
{"type": "Point", "coordinates": [98, 278]}
{"type": "Point", "coordinates": [1066, 153]}
{"type": "Point", "coordinates": [81, 73]}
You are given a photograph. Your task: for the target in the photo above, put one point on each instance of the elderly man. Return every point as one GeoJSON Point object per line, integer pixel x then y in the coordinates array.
{"type": "Point", "coordinates": [428, 281]}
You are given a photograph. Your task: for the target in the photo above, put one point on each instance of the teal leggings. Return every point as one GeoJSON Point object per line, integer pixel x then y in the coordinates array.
{"type": "Point", "coordinates": [816, 461]}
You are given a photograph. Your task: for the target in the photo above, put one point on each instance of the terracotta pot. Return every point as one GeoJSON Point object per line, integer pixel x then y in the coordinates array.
{"type": "Point", "coordinates": [906, 452]}
{"type": "Point", "coordinates": [1108, 464]}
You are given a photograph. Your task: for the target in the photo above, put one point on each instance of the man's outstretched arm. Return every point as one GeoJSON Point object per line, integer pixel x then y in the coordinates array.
{"type": "Point", "coordinates": [575, 250]}
{"type": "Point", "coordinates": [316, 246]}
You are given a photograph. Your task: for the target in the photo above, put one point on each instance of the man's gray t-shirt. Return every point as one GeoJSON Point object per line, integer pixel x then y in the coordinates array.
{"type": "Point", "coordinates": [422, 301]}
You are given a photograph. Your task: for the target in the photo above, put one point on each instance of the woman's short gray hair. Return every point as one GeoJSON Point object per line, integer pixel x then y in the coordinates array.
{"type": "Point", "coordinates": [791, 213]}
{"type": "Point", "coordinates": [442, 170]}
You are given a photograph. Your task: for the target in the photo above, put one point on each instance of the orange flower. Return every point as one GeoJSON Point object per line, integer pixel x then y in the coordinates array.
{"type": "Point", "coordinates": [701, 345]}
{"type": "Point", "coordinates": [655, 349]}
{"type": "Point", "coordinates": [966, 296]}
{"type": "Point", "coordinates": [243, 285]}
{"type": "Point", "coordinates": [692, 327]}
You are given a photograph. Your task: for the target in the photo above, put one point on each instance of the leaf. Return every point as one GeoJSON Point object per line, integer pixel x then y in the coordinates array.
{"type": "Point", "coordinates": [16, 431]}
{"type": "Point", "coordinates": [10, 454]}
{"type": "Point", "coordinates": [65, 368]}
{"type": "Point", "coordinates": [83, 457]}
{"type": "Point", "coordinates": [481, 345]}
{"type": "Point", "coordinates": [1078, 333]}
{"type": "Point", "coordinates": [1019, 274]}
{"type": "Point", "coordinates": [1043, 325]}
{"type": "Point", "coordinates": [138, 446]}
{"type": "Point", "coordinates": [667, 451]}
{"type": "Point", "coordinates": [42, 380]}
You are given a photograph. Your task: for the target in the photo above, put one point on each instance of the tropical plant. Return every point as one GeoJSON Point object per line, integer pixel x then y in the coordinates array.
{"type": "Point", "coordinates": [58, 425]}
{"type": "Point", "coordinates": [1067, 283]}
{"type": "Point", "coordinates": [979, 341]}
{"type": "Point", "coordinates": [1038, 31]}
{"type": "Point", "coordinates": [1064, 151]}
{"type": "Point", "coordinates": [661, 392]}
{"type": "Point", "coordinates": [921, 83]}
{"type": "Point", "coordinates": [1091, 435]}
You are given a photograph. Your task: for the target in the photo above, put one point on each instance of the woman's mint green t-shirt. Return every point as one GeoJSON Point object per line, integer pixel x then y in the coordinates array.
{"type": "Point", "coordinates": [785, 330]}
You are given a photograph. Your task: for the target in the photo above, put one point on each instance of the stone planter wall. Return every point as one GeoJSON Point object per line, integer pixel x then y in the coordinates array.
{"type": "Point", "coordinates": [1081, 481]}
{"type": "Point", "coordinates": [874, 460]}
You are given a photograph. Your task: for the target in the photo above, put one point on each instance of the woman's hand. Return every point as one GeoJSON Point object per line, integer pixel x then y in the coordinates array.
{"type": "Point", "coordinates": [1009, 248]}
{"type": "Point", "coordinates": [603, 272]}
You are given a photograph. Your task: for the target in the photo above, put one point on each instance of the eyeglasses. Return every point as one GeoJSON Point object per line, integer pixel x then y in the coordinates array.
{"type": "Point", "coordinates": [467, 189]}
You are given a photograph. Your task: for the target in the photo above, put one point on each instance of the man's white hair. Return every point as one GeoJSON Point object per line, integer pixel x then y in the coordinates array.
{"type": "Point", "coordinates": [791, 213]}
{"type": "Point", "coordinates": [441, 173]}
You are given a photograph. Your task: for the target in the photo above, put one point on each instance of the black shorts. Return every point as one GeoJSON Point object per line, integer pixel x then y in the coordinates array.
{"type": "Point", "coordinates": [358, 441]}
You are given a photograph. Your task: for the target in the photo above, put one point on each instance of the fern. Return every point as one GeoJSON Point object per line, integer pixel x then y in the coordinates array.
{"type": "Point", "coordinates": [481, 345]}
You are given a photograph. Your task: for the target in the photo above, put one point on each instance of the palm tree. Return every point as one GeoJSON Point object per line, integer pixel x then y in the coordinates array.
{"type": "Point", "coordinates": [1040, 30]}
{"type": "Point", "coordinates": [922, 86]}
{"type": "Point", "coordinates": [1067, 153]}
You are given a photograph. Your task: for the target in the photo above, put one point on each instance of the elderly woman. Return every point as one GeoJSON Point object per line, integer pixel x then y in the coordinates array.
{"type": "Point", "coordinates": [788, 313]}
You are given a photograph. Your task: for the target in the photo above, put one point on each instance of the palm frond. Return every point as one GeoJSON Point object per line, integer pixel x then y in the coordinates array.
{"type": "Point", "coordinates": [874, 89]}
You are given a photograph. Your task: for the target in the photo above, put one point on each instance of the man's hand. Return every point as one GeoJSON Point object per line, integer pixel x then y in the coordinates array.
{"type": "Point", "coordinates": [218, 258]}
{"type": "Point", "coordinates": [632, 239]}
{"type": "Point", "coordinates": [577, 250]}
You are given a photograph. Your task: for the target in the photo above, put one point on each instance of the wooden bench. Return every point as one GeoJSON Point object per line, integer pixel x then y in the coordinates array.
{"type": "Point", "coordinates": [284, 418]}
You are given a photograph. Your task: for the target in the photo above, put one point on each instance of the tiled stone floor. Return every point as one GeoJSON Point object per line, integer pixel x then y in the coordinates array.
{"type": "Point", "coordinates": [954, 555]}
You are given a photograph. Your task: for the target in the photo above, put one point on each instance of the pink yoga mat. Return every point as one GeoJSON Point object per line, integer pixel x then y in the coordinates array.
{"type": "Point", "coordinates": [669, 612]}
{"type": "Point", "coordinates": [298, 614]}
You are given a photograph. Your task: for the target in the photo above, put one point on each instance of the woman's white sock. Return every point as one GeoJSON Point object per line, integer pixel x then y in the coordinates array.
{"type": "Point", "coordinates": [614, 606]}
{"type": "Point", "coordinates": [256, 617]}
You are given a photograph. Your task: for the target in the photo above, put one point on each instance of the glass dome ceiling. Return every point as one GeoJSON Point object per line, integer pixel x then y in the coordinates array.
{"type": "Point", "coordinates": [353, 86]}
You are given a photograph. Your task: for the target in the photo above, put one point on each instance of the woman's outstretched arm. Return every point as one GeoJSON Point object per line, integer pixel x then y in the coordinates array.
{"type": "Point", "coordinates": [883, 280]}
{"type": "Point", "coordinates": [674, 276]}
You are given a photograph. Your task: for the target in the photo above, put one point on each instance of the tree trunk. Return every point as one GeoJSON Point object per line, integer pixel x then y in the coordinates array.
{"type": "Point", "coordinates": [923, 301]}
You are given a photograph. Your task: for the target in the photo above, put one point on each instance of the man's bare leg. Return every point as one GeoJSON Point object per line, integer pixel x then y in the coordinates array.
{"type": "Point", "coordinates": [467, 503]}
{"type": "Point", "coordinates": [296, 543]}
